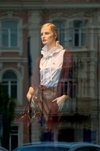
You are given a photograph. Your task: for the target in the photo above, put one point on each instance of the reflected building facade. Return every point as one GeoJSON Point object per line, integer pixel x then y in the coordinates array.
{"type": "Point", "coordinates": [78, 23]}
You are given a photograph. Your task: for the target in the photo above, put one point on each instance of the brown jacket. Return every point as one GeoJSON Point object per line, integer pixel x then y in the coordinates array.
{"type": "Point", "coordinates": [64, 75]}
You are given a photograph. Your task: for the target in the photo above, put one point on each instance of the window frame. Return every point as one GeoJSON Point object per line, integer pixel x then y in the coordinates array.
{"type": "Point", "coordinates": [9, 85]}
{"type": "Point", "coordinates": [21, 26]}
{"type": "Point", "coordinates": [59, 32]}
{"type": "Point", "coordinates": [80, 34]}
{"type": "Point", "coordinates": [9, 31]}
{"type": "Point", "coordinates": [13, 133]}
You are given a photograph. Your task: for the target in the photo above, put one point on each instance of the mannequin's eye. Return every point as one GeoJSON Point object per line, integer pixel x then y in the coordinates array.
{"type": "Point", "coordinates": [47, 33]}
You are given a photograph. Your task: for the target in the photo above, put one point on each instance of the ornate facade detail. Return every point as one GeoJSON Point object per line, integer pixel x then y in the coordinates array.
{"type": "Point", "coordinates": [47, 5]}
{"type": "Point", "coordinates": [34, 17]}
{"type": "Point", "coordinates": [22, 69]}
{"type": "Point", "coordinates": [81, 15]}
{"type": "Point", "coordinates": [59, 15]}
{"type": "Point", "coordinates": [9, 14]}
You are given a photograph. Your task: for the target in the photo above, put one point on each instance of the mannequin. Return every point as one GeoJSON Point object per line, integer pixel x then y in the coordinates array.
{"type": "Point", "coordinates": [51, 68]}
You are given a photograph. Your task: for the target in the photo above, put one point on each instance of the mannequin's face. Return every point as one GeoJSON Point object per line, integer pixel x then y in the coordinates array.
{"type": "Point", "coordinates": [47, 36]}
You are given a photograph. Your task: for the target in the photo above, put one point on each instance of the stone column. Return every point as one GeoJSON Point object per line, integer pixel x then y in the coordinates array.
{"type": "Point", "coordinates": [98, 97]}
{"type": "Point", "coordinates": [91, 39]}
{"type": "Point", "coordinates": [92, 77]}
{"type": "Point", "coordinates": [34, 21]}
{"type": "Point", "coordinates": [92, 64]}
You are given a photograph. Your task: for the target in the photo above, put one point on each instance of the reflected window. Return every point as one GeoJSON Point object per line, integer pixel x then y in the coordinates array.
{"type": "Point", "coordinates": [9, 81]}
{"type": "Point", "coordinates": [79, 35]}
{"type": "Point", "coordinates": [13, 143]}
{"type": "Point", "coordinates": [9, 34]}
{"type": "Point", "coordinates": [61, 31]}
{"type": "Point", "coordinates": [67, 84]}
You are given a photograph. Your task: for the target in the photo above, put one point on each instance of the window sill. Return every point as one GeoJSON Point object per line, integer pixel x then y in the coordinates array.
{"type": "Point", "coordinates": [8, 48]}
{"type": "Point", "coordinates": [81, 49]}
{"type": "Point", "coordinates": [11, 49]}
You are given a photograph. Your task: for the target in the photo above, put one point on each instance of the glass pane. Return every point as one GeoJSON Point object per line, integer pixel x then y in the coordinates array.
{"type": "Point", "coordinates": [5, 86]}
{"type": "Point", "coordinates": [76, 39]}
{"type": "Point", "coordinates": [77, 24]}
{"type": "Point", "coordinates": [14, 129]}
{"type": "Point", "coordinates": [14, 141]}
{"type": "Point", "coordinates": [80, 24]}
{"type": "Point", "coordinates": [13, 82]}
{"type": "Point", "coordinates": [9, 24]}
{"type": "Point", "coordinates": [83, 38]}
{"type": "Point", "coordinates": [4, 38]}
{"type": "Point", "coordinates": [76, 31]}
{"type": "Point", "coordinates": [13, 91]}
{"type": "Point", "coordinates": [74, 91]}
{"type": "Point", "coordinates": [13, 38]}
{"type": "Point", "coordinates": [61, 31]}
{"type": "Point", "coordinates": [59, 24]}
{"type": "Point", "coordinates": [9, 75]}
{"type": "Point", "coordinates": [62, 36]}
{"type": "Point", "coordinates": [12, 35]}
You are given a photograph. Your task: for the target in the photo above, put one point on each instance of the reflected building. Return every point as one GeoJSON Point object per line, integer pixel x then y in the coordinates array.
{"type": "Point", "coordinates": [78, 23]}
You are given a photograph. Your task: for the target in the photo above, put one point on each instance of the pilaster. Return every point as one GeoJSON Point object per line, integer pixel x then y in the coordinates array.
{"type": "Point", "coordinates": [34, 21]}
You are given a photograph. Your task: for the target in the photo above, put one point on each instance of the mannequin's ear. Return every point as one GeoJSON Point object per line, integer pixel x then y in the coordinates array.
{"type": "Point", "coordinates": [55, 35]}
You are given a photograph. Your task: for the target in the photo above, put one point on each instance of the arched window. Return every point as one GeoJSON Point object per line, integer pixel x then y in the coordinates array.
{"type": "Point", "coordinates": [9, 81]}
{"type": "Point", "coordinates": [9, 34]}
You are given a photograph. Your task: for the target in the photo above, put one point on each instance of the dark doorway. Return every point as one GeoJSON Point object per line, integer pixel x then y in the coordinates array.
{"type": "Point", "coordinates": [66, 135]}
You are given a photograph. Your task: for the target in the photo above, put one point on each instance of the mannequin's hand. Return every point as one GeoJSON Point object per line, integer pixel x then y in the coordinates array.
{"type": "Point", "coordinates": [29, 96]}
{"type": "Point", "coordinates": [30, 93]}
{"type": "Point", "coordinates": [32, 102]}
{"type": "Point", "coordinates": [60, 101]}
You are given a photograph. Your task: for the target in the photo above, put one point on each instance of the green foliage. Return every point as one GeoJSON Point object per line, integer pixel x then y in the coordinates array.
{"type": "Point", "coordinates": [7, 109]}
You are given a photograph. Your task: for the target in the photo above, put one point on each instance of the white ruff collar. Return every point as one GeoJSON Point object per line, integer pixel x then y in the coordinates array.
{"type": "Point", "coordinates": [47, 54]}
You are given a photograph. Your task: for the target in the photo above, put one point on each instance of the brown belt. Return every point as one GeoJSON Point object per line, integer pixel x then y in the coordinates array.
{"type": "Point", "coordinates": [47, 95]}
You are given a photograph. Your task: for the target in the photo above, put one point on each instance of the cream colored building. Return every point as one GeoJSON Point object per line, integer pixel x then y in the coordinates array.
{"type": "Point", "coordinates": [78, 23]}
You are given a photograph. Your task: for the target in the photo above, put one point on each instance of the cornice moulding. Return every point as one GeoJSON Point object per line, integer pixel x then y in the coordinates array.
{"type": "Point", "coordinates": [42, 5]}
{"type": "Point", "coordinates": [16, 60]}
